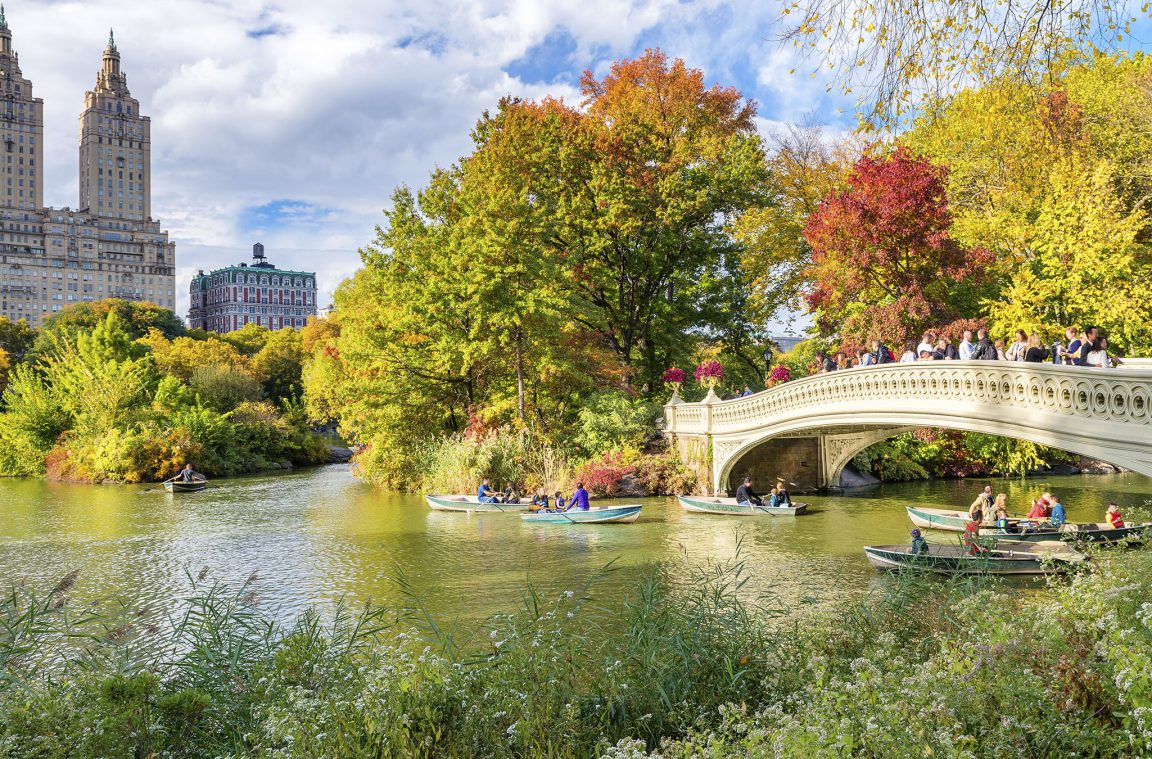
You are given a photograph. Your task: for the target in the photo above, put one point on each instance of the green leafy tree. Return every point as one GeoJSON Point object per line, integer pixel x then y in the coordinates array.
{"type": "Point", "coordinates": [138, 318]}
{"type": "Point", "coordinates": [280, 362]}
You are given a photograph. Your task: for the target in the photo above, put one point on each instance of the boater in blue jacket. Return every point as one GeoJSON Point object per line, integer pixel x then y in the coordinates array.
{"type": "Point", "coordinates": [484, 493]}
{"type": "Point", "coordinates": [579, 500]}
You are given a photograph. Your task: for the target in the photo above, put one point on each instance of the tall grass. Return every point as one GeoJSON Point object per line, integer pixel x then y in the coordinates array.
{"type": "Point", "coordinates": [691, 663]}
{"type": "Point", "coordinates": [458, 464]}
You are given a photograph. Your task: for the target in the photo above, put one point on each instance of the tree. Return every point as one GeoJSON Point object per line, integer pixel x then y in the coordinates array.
{"type": "Point", "coordinates": [883, 263]}
{"type": "Point", "coordinates": [16, 338]}
{"type": "Point", "coordinates": [806, 166]}
{"type": "Point", "coordinates": [660, 165]}
{"type": "Point", "coordinates": [1054, 182]}
{"type": "Point", "coordinates": [508, 202]}
{"type": "Point", "coordinates": [280, 362]}
{"type": "Point", "coordinates": [1084, 266]}
{"type": "Point", "coordinates": [889, 53]}
{"type": "Point", "coordinates": [137, 319]}
{"type": "Point", "coordinates": [249, 339]}
{"type": "Point", "coordinates": [184, 355]}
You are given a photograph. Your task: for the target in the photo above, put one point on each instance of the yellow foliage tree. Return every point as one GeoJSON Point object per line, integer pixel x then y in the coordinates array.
{"type": "Point", "coordinates": [1084, 264]}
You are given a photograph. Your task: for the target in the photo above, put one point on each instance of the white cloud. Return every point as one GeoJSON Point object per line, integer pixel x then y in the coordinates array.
{"type": "Point", "coordinates": [334, 103]}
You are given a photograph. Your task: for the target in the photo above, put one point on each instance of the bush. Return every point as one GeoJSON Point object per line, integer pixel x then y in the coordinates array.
{"type": "Point", "coordinates": [663, 474]}
{"type": "Point", "coordinates": [604, 475]}
{"type": "Point", "coordinates": [610, 421]}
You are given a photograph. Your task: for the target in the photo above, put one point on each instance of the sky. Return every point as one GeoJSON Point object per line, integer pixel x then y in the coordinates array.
{"type": "Point", "coordinates": [290, 123]}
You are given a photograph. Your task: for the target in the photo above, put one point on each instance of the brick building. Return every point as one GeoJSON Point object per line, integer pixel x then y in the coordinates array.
{"type": "Point", "coordinates": [257, 293]}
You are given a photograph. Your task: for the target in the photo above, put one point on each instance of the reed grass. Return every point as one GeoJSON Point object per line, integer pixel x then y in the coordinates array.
{"type": "Point", "coordinates": [690, 663]}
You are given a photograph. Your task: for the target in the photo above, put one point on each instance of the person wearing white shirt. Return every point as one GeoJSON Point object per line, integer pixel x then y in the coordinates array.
{"type": "Point", "coordinates": [927, 343]}
{"type": "Point", "coordinates": [966, 348]}
{"type": "Point", "coordinates": [909, 355]}
{"type": "Point", "coordinates": [1099, 357]}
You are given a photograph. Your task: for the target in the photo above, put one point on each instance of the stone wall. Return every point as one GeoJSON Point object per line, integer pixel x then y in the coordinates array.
{"type": "Point", "coordinates": [796, 460]}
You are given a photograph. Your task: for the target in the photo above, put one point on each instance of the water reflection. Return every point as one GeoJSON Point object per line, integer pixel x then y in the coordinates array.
{"type": "Point", "coordinates": [320, 535]}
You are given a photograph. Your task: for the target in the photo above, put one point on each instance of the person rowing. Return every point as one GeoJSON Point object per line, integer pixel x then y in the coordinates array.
{"type": "Point", "coordinates": [485, 493]}
{"type": "Point", "coordinates": [188, 474]}
{"type": "Point", "coordinates": [745, 496]}
{"type": "Point", "coordinates": [579, 500]}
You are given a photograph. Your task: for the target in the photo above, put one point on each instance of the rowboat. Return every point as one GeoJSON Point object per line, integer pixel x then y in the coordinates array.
{"type": "Point", "coordinates": [1099, 532]}
{"type": "Point", "coordinates": [186, 487]}
{"type": "Point", "coordinates": [1026, 559]}
{"type": "Point", "coordinates": [729, 507]}
{"type": "Point", "coordinates": [471, 503]}
{"type": "Point", "coordinates": [596, 515]}
{"type": "Point", "coordinates": [945, 519]}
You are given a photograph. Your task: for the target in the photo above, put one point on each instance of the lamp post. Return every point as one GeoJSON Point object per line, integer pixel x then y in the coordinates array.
{"type": "Point", "coordinates": [767, 359]}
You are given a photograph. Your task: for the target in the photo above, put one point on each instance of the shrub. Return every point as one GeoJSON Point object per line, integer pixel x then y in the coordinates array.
{"type": "Point", "coordinates": [611, 420]}
{"type": "Point", "coordinates": [663, 474]}
{"type": "Point", "coordinates": [604, 476]}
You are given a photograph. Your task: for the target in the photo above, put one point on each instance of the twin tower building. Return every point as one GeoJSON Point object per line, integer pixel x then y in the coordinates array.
{"type": "Point", "coordinates": [109, 246]}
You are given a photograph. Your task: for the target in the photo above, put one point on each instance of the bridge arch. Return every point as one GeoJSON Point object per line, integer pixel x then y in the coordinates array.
{"type": "Point", "coordinates": [1104, 414]}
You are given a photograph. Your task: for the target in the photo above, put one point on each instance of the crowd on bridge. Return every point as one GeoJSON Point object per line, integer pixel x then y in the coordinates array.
{"type": "Point", "coordinates": [1078, 348]}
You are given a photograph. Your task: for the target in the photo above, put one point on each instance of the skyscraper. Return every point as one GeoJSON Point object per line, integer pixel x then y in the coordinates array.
{"type": "Point", "coordinates": [110, 247]}
{"type": "Point", "coordinates": [115, 146]}
{"type": "Point", "coordinates": [22, 127]}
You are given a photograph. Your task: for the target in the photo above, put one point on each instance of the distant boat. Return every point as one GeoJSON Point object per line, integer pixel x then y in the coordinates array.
{"type": "Point", "coordinates": [596, 515]}
{"type": "Point", "coordinates": [186, 487]}
{"type": "Point", "coordinates": [1100, 532]}
{"type": "Point", "coordinates": [1027, 559]}
{"type": "Point", "coordinates": [729, 507]}
{"type": "Point", "coordinates": [470, 503]}
{"type": "Point", "coordinates": [945, 519]}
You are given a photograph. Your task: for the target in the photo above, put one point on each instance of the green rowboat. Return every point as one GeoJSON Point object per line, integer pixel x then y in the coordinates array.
{"type": "Point", "coordinates": [955, 559]}
{"type": "Point", "coordinates": [1101, 532]}
{"type": "Point", "coordinates": [729, 507]}
{"type": "Point", "coordinates": [597, 515]}
{"type": "Point", "coordinates": [470, 503]}
{"type": "Point", "coordinates": [186, 487]}
{"type": "Point", "coordinates": [945, 519]}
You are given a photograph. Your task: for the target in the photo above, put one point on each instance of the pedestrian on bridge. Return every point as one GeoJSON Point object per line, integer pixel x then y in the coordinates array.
{"type": "Point", "coordinates": [967, 349]}
{"type": "Point", "coordinates": [985, 350]}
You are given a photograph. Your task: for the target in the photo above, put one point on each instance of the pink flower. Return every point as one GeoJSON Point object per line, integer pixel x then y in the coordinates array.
{"type": "Point", "coordinates": [781, 373]}
{"type": "Point", "coordinates": [674, 376]}
{"type": "Point", "coordinates": [710, 373]}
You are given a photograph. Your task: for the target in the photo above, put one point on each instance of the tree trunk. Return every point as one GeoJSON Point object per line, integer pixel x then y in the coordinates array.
{"type": "Point", "coordinates": [520, 374]}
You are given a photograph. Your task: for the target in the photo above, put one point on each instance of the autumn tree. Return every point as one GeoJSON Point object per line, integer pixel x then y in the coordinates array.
{"type": "Point", "coordinates": [1054, 182]}
{"type": "Point", "coordinates": [883, 262]}
{"type": "Point", "coordinates": [806, 165]}
{"type": "Point", "coordinates": [664, 163]}
{"type": "Point", "coordinates": [891, 54]}
{"type": "Point", "coordinates": [137, 319]}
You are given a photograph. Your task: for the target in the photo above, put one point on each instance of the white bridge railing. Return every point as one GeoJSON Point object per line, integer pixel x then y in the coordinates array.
{"type": "Point", "coordinates": [1105, 413]}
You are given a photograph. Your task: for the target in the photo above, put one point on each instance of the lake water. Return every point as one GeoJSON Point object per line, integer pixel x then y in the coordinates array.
{"type": "Point", "coordinates": [318, 535]}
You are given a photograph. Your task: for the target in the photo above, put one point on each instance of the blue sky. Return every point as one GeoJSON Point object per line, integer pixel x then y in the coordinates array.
{"type": "Point", "coordinates": [291, 123]}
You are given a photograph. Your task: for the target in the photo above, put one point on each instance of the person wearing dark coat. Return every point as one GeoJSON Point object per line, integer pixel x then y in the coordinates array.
{"type": "Point", "coordinates": [745, 496]}
{"type": "Point", "coordinates": [985, 348]}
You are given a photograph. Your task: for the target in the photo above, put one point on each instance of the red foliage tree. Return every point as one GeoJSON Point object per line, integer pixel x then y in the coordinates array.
{"type": "Point", "coordinates": [883, 262]}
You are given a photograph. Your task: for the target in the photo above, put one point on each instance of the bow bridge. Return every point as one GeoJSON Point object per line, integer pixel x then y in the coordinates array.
{"type": "Point", "coordinates": [807, 430]}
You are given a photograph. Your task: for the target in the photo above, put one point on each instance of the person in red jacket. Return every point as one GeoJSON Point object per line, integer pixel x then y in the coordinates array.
{"type": "Point", "coordinates": [971, 537]}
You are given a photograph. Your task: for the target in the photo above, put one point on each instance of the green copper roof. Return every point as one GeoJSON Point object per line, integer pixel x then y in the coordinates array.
{"type": "Point", "coordinates": [254, 270]}
{"type": "Point", "coordinates": [111, 40]}
{"type": "Point", "coordinates": [3, 21]}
